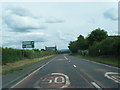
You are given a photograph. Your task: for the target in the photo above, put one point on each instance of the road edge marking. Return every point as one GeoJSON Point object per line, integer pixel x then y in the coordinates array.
{"type": "Point", "coordinates": [31, 73]}
{"type": "Point", "coordinates": [102, 64]}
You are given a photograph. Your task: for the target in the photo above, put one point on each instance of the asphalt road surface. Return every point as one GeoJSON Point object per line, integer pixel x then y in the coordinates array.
{"type": "Point", "coordinates": [64, 71]}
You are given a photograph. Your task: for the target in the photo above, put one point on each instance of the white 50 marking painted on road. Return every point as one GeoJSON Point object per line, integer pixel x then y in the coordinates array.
{"type": "Point", "coordinates": [62, 79]}
{"type": "Point", "coordinates": [31, 73]}
{"type": "Point", "coordinates": [111, 76]}
{"type": "Point", "coordinates": [53, 80]}
{"type": "Point", "coordinates": [66, 78]}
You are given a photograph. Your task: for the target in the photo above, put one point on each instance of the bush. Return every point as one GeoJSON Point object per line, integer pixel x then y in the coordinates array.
{"type": "Point", "coordinates": [12, 55]}
{"type": "Point", "coordinates": [94, 49]}
{"type": "Point", "coordinates": [109, 46]}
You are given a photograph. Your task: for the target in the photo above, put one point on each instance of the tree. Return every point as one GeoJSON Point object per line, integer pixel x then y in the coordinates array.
{"type": "Point", "coordinates": [107, 47]}
{"type": "Point", "coordinates": [80, 38]}
{"type": "Point", "coordinates": [82, 43]}
{"type": "Point", "coordinates": [96, 35]}
{"type": "Point", "coordinates": [73, 46]}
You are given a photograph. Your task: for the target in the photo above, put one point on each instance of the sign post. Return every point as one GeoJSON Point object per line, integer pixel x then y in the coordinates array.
{"type": "Point", "coordinates": [28, 44]}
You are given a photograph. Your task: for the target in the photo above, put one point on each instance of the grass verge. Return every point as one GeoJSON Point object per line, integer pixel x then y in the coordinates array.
{"type": "Point", "coordinates": [106, 60]}
{"type": "Point", "coordinates": [19, 65]}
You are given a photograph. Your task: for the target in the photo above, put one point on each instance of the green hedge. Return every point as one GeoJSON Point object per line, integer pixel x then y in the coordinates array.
{"type": "Point", "coordinates": [109, 46]}
{"type": "Point", "coordinates": [12, 55]}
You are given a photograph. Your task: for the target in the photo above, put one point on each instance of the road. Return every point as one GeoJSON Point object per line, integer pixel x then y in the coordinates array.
{"type": "Point", "coordinates": [64, 71]}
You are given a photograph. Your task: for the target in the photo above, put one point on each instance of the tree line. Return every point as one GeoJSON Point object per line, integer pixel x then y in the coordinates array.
{"type": "Point", "coordinates": [97, 43]}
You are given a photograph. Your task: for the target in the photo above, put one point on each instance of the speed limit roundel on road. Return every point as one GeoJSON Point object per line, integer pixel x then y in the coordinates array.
{"type": "Point", "coordinates": [53, 80]}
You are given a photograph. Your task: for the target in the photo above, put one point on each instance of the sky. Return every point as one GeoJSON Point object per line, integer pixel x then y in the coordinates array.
{"type": "Point", "coordinates": [54, 23]}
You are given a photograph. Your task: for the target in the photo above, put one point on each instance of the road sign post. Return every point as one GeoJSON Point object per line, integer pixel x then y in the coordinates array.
{"type": "Point", "coordinates": [28, 44]}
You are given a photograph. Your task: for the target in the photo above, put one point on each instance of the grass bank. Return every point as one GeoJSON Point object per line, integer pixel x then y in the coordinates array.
{"type": "Point", "coordinates": [19, 65]}
{"type": "Point", "coordinates": [114, 61]}
{"type": "Point", "coordinates": [10, 55]}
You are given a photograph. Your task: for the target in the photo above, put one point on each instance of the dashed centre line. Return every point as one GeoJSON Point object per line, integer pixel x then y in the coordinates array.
{"type": "Point", "coordinates": [96, 86]}
{"type": "Point", "coordinates": [65, 57]}
{"type": "Point", "coordinates": [74, 66]}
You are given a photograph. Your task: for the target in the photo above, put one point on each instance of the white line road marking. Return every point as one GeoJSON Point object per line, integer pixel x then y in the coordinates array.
{"type": "Point", "coordinates": [62, 78]}
{"type": "Point", "coordinates": [50, 81]}
{"type": "Point", "coordinates": [65, 81]}
{"type": "Point", "coordinates": [66, 77]}
{"type": "Point", "coordinates": [96, 86]}
{"type": "Point", "coordinates": [65, 57]}
{"type": "Point", "coordinates": [114, 79]}
{"type": "Point", "coordinates": [75, 66]}
{"type": "Point", "coordinates": [102, 64]}
{"type": "Point", "coordinates": [31, 73]}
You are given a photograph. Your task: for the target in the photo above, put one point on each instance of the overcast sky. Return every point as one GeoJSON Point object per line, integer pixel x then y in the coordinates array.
{"type": "Point", "coordinates": [55, 23]}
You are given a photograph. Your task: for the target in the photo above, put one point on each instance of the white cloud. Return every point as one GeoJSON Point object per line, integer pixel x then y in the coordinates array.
{"type": "Point", "coordinates": [67, 37]}
{"type": "Point", "coordinates": [19, 11]}
{"type": "Point", "coordinates": [111, 14]}
{"type": "Point", "coordinates": [54, 20]}
{"type": "Point", "coordinates": [35, 33]}
{"type": "Point", "coordinates": [71, 19]}
{"type": "Point", "coordinates": [21, 22]}
{"type": "Point", "coordinates": [16, 38]}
